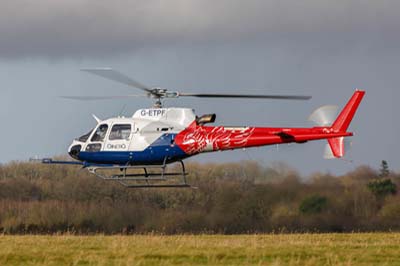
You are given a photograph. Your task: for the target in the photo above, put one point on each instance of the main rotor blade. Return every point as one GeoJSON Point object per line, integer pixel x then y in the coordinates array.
{"type": "Point", "coordinates": [93, 98]}
{"type": "Point", "coordinates": [111, 74]}
{"type": "Point", "coordinates": [218, 95]}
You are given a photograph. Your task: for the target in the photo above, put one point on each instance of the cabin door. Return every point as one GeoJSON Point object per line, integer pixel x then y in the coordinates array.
{"type": "Point", "coordinates": [119, 137]}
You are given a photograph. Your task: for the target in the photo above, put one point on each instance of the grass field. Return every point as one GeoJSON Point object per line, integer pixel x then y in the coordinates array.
{"type": "Point", "coordinates": [302, 249]}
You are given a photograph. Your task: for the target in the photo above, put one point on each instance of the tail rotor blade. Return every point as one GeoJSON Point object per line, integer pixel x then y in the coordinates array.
{"type": "Point", "coordinates": [325, 115]}
{"type": "Point", "coordinates": [328, 154]}
{"type": "Point", "coordinates": [348, 144]}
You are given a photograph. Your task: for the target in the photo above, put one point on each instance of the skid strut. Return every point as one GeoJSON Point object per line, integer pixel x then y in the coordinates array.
{"type": "Point", "coordinates": [146, 179]}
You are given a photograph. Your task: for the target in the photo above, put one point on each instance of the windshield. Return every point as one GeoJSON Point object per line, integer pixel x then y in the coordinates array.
{"type": "Point", "coordinates": [85, 137]}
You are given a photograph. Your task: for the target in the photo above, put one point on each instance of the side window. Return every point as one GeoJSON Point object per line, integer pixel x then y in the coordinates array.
{"type": "Point", "coordinates": [122, 131]}
{"type": "Point", "coordinates": [93, 147]}
{"type": "Point", "coordinates": [100, 133]}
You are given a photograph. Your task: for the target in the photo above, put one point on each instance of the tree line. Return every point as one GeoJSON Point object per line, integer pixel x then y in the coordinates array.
{"type": "Point", "coordinates": [231, 198]}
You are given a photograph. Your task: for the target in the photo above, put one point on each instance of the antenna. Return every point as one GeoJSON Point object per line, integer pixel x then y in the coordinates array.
{"type": "Point", "coordinates": [122, 109]}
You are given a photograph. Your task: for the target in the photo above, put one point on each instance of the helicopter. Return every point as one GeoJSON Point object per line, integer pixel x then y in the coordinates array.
{"type": "Point", "coordinates": [141, 147]}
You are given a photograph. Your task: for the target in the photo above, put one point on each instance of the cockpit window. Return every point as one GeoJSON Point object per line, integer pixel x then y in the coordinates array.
{"type": "Point", "coordinates": [100, 133]}
{"type": "Point", "coordinates": [85, 137]}
{"type": "Point", "coordinates": [122, 131]}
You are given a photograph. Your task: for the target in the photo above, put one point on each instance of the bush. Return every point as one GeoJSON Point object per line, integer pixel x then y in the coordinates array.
{"type": "Point", "coordinates": [232, 198]}
{"type": "Point", "coordinates": [313, 204]}
{"type": "Point", "coordinates": [382, 187]}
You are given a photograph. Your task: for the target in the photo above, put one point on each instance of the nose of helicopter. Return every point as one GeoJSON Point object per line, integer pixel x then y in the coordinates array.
{"type": "Point", "coordinates": [74, 150]}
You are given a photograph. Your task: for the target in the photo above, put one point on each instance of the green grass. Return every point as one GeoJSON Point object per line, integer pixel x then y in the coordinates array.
{"type": "Point", "coordinates": [296, 249]}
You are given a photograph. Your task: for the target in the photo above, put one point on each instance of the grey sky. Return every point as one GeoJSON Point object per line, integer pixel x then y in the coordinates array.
{"type": "Point", "coordinates": [322, 48]}
{"type": "Point", "coordinates": [92, 28]}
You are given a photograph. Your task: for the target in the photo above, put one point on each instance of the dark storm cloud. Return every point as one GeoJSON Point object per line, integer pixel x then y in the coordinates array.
{"type": "Point", "coordinates": [92, 28]}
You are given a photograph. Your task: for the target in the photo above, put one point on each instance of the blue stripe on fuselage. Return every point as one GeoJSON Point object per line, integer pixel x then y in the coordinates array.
{"type": "Point", "coordinates": [154, 154]}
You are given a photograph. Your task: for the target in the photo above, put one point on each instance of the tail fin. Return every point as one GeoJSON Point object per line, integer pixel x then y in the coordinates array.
{"type": "Point", "coordinates": [343, 121]}
{"type": "Point", "coordinates": [336, 146]}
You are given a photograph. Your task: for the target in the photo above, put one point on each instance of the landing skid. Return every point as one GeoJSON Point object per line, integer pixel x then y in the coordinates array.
{"type": "Point", "coordinates": [146, 179]}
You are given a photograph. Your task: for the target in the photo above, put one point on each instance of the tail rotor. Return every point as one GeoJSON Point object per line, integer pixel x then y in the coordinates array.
{"type": "Point", "coordinates": [325, 115]}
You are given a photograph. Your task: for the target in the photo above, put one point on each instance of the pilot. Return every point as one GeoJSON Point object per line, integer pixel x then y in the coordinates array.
{"type": "Point", "coordinates": [103, 130]}
{"type": "Point", "coordinates": [100, 133]}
